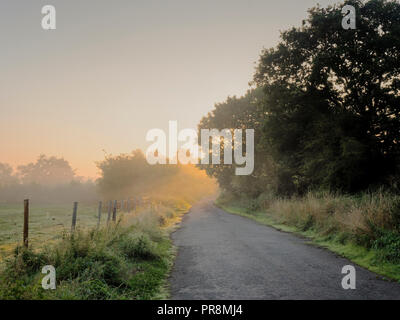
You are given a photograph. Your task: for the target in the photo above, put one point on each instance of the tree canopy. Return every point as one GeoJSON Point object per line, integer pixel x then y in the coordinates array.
{"type": "Point", "coordinates": [330, 111]}
{"type": "Point", "coordinates": [46, 171]}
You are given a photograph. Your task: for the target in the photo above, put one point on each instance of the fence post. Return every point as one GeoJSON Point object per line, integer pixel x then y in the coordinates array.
{"type": "Point", "coordinates": [26, 222]}
{"type": "Point", "coordinates": [115, 211]}
{"type": "Point", "coordinates": [99, 217]}
{"type": "Point", "coordinates": [122, 205]}
{"type": "Point", "coordinates": [109, 211]}
{"type": "Point", "coordinates": [128, 204]}
{"type": "Point", "coordinates": [74, 216]}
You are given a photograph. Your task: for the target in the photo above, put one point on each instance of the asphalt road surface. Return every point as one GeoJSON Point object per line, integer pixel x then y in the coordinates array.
{"type": "Point", "coordinates": [224, 256]}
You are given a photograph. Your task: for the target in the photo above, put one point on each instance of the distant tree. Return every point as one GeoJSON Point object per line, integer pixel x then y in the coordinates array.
{"type": "Point", "coordinates": [126, 175]}
{"type": "Point", "coordinates": [7, 176]}
{"type": "Point", "coordinates": [46, 171]}
{"type": "Point", "coordinates": [332, 98]}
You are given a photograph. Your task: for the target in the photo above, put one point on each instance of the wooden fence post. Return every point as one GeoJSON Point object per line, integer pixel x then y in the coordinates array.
{"type": "Point", "coordinates": [122, 205]}
{"type": "Point", "coordinates": [74, 216]}
{"type": "Point", "coordinates": [99, 217]}
{"type": "Point", "coordinates": [115, 211]}
{"type": "Point", "coordinates": [128, 205]}
{"type": "Point", "coordinates": [26, 222]}
{"type": "Point", "coordinates": [109, 211]}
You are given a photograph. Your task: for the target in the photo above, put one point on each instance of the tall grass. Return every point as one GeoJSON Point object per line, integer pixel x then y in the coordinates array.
{"type": "Point", "coordinates": [126, 260]}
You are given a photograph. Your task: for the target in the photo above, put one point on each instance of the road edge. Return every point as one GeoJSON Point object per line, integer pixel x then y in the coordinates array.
{"type": "Point", "coordinates": [315, 240]}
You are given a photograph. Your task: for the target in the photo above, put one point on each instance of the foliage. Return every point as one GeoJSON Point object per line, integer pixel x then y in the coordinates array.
{"type": "Point", "coordinates": [240, 113]}
{"type": "Point", "coordinates": [6, 175]}
{"type": "Point", "coordinates": [46, 171]}
{"type": "Point", "coordinates": [128, 175]}
{"type": "Point", "coordinates": [326, 109]}
{"type": "Point", "coordinates": [48, 180]}
{"type": "Point", "coordinates": [333, 98]}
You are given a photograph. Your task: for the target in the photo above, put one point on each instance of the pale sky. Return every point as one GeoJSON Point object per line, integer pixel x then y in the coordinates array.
{"type": "Point", "coordinates": [112, 70]}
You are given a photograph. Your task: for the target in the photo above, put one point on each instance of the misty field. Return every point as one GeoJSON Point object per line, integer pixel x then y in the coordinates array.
{"type": "Point", "coordinates": [46, 223]}
{"type": "Point", "coordinates": [128, 259]}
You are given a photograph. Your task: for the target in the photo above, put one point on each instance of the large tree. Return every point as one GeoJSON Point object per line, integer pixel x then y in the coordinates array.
{"type": "Point", "coordinates": [130, 174]}
{"type": "Point", "coordinates": [241, 113]}
{"type": "Point", "coordinates": [333, 106]}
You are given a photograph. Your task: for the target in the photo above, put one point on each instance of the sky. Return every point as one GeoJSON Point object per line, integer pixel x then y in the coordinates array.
{"type": "Point", "coordinates": [113, 70]}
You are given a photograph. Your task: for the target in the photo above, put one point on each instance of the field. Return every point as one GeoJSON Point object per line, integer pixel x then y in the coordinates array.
{"type": "Point", "coordinates": [47, 223]}
{"type": "Point", "coordinates": [129, 259]}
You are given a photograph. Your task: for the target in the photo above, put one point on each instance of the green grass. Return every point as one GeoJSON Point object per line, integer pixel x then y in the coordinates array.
{"type": "Point", "coordinates": [46, 223]}
{"type": "Point", "coordinates": [370, 259]}
{"type": "Point", "coordinates": [129, 260]}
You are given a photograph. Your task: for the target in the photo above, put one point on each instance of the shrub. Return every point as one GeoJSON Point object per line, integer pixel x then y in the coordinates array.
{"type": "Point", "coordinates": [138, 246]}
{"type": "Point", "coordinates": [389, 245]}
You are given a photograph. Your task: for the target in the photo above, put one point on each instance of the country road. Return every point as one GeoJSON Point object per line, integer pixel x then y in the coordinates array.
{"type": "Point", "coordinates": [224, 256]}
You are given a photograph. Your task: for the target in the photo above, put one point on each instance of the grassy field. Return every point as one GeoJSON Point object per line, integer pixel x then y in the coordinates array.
{"type": "Point", "coordinates": [127, 260]}
{"type": "Point", "coordinates": [363, 229]}
{"type": "Point", "coordinates": [46, 223]}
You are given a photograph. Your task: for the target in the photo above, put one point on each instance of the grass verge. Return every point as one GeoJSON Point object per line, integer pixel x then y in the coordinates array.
{"type": "Point", "coordinates": [127, 260]}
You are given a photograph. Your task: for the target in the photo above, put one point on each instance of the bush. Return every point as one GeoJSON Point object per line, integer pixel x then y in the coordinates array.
{"type": "Point", "coordinates": [395, 214]}
{"type": "Point", "coordinates": [25, 262]}
{"type": "Point", "coordinates": [389, 246]}
{"type": "Point", "coordinates": [138, 246]}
